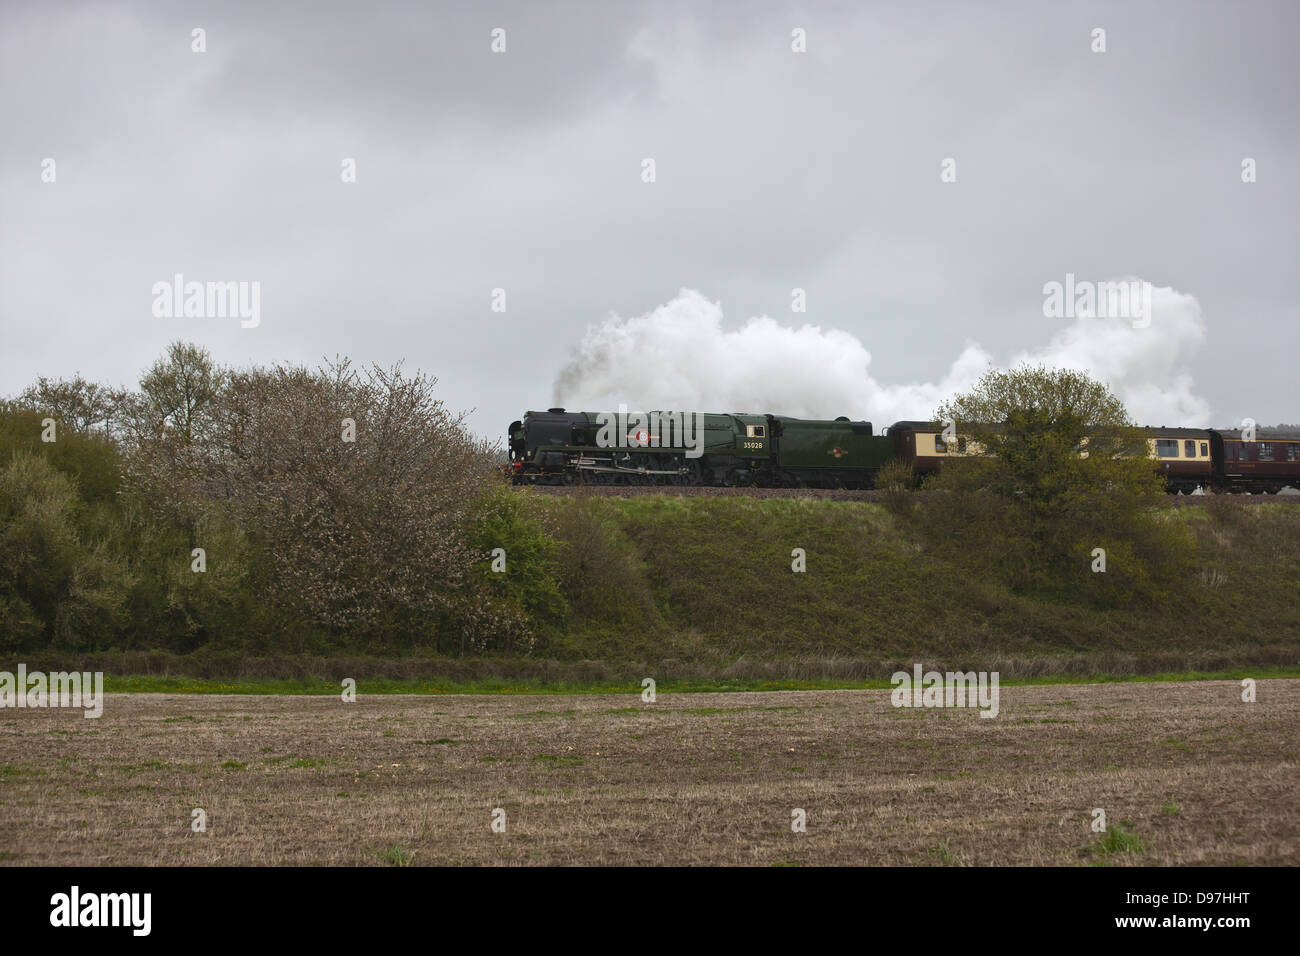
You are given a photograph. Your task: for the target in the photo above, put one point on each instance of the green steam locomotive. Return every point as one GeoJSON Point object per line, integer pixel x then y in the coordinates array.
{"type": "Point", "coordinates": [559, 447]}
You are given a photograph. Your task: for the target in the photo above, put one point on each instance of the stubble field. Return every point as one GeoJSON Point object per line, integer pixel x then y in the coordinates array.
{"type": "Point", "coordinates": [1186, 774]}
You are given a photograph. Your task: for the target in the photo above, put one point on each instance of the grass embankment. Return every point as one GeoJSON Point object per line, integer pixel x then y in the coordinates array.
{"type": "Point", "coordinates": [721, 579]}
{"type": "Point", "coordinates": [192, 685]}
{"type": "Point", "coordinates": [699, 593]}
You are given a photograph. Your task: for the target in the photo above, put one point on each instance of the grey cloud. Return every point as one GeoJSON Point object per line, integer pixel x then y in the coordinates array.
{"type": "Point", "coordinates": [521, 171]}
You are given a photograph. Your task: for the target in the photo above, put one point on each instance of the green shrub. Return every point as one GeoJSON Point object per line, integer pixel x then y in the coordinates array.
{"type": "Point", "coordinates": [602, 574]}
{"type": "Point", "coordinates": [532, 578]}
{"type": "Point", "coordinates": [90, 459]}
{"type": "Point", "coordinates": [58, 588]}
{"type": "Point", "coordinates": [897, 480]}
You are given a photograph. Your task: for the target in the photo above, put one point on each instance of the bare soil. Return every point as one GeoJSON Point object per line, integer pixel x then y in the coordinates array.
{"type": "Point", "coordinates": [1198, 776]}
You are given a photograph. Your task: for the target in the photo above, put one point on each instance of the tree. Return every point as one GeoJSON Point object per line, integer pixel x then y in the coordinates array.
{"type": "Point", "coordinates": [1059, 471]}
{"type": "Point", "coordinates": [169, 429]}
{"type": "Point", "coordinates": [75, 403]}
{"type": "Point", "coordinates": [179, 387]}
{"type": "Point", "coordinates": [332, 505]}
{"type": "Point", "coordinates": [356, 486]}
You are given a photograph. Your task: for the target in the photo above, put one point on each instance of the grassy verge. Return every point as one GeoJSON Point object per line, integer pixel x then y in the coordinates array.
{"type": "Point", "coordinates": [189, 685]}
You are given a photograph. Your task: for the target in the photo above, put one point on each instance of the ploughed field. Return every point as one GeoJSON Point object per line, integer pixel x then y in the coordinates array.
{"type": "Point", "coordinates": [1186, 773]}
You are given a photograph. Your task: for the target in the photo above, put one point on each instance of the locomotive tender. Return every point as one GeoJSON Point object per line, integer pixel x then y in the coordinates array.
{"type": "Point", "coordinates": [558, 447]}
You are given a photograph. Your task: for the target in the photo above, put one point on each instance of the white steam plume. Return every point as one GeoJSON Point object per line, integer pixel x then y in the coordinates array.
{"type": "Point", "coordinates": [679, 357]}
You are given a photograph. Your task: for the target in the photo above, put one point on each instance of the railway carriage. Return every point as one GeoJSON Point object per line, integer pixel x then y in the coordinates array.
{"type": "Point", "coordinates": [1184, 456]}
{"type": "Point", "coordinates": [923, 446]}
{"type": "Point", "coordinates": [1266, 465]}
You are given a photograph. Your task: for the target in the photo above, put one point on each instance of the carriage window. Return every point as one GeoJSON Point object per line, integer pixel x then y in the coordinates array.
{"type": "Point", "coordinates": [755, 431]}
{"type": "Point", "coordinates": [961, 445]}
{"type": "Point", "coordinates": [1167, 447]}
{"type": "Point", "coordinates": [1243, 451]}
{"type": "Point", "coordinates": [1189, 449]}
{"type": "Point", "coordinates": [1205, 449]}
{"type": "Point", "coordinates": [1293, 451]}
{"type": "Point", "coordinates": [1266, 451]}
{"type": "Point", "coordinates": [940, 445]}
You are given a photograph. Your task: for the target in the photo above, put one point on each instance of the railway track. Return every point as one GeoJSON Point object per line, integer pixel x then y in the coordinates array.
{"type": "Point", "coordinates": [704, 491]}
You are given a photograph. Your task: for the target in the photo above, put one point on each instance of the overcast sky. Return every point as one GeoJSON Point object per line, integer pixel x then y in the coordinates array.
{"type": "Point", "coordinates": [774, 170]}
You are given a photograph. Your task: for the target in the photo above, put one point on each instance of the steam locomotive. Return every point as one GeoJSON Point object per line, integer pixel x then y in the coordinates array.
{"type": "Point", "coordinates": [558, 447]}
